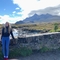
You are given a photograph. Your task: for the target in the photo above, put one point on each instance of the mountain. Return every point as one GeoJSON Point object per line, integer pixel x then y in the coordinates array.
{"type": "Point", "coordinates": [19, 22]}
{"type": "Point", "coordinates": [40, 18]}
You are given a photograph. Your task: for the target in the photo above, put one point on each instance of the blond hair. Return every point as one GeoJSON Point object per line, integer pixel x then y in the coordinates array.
{"type": "Point", "coordinates": [9, 27]}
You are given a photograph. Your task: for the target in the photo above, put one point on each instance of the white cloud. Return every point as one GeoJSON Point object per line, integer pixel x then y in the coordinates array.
{"type": "Point", "coordinates": [6, 18]}
{"type": "Point", "coordinates": [19, 13]}
{"type": "Point", "coordinates": [14, 12]}
{"type": "Point", "coordinates": [17, 8]}
{"type": "Point", "coordinates": [29, 5]}
{"type": "Point", "coordinates": [59, 14]}
{"type": "Point", "coordinates": [50, 10]}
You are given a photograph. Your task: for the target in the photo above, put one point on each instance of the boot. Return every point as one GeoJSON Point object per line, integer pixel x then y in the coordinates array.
{"type": "Point", "coordinates": [5, 58]}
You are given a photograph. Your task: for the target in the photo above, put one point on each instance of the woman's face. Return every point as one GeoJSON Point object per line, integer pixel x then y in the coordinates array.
{"type": "Point", "coordinates": [6, 24]}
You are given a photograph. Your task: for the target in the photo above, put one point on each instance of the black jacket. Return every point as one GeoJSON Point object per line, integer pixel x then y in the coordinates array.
{"type": "Point", "coordinates": [7, 34]}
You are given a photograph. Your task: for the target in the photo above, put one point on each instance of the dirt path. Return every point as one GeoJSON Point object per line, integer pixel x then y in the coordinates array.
{"type": "Point", "coordinates": [53, 55]}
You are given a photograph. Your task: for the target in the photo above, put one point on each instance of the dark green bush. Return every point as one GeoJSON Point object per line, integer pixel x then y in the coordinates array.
{"type": "Point", "coordinates": [45, 49]}
{"type": "Point", "coordinates": [59, 48]}
{"type": "Point", "coordinates": [1, 54]}
{"type": "Point", "coordinates": [20, 52]}
{"type": "Point", "coordinates": [25, 51]}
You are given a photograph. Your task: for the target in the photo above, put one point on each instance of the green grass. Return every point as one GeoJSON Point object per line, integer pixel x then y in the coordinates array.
{"type": "Point", "coordinates": [17, 52]}
{"type": "Point", "coordinates": [1, 55]}
{"type": "Point", "coordinates": [52, 31]}
{"type": "Point", "coordinates": [20, 52]}
{"type": "Point", "coordinates": [37, 26]}
{"type": "Point", "coordinates": [45, 49]}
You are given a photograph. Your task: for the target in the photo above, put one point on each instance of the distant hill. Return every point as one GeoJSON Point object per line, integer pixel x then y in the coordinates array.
{"type": "Point", "coordinates": [40, 18]}
{"type": "Point", "coordinates": [20, 22]}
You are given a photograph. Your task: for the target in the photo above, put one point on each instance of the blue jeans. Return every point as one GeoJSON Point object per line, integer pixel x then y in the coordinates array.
{"type": "Point", "coordinates": [5, 46]}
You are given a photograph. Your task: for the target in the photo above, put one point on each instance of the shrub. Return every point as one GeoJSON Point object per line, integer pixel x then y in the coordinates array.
{"type": "Point", "coordinates": [25, 51]}
{"type": "Point", "coordinates": [52, 31]}
{"type": "Point", "coordinates": [59, 48]}
{"type": "Point", "coordinates": [16, 52]}
{"type": "Point", "coordinates": [45, 49]}
{"type": "Point", "coordinates": [1, 54]}
{"type": "Point", "coordinates": [55, 26]}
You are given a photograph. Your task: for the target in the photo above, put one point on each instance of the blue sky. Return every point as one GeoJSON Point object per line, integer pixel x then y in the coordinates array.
{"type": "Point", "coordinates": [15, 10]}
{"type": "Point", "coordinates": [7, 7]}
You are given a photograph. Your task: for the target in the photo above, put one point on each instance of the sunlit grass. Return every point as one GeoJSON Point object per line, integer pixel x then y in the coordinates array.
{"type": "Point", "coordinates": [37, 26]}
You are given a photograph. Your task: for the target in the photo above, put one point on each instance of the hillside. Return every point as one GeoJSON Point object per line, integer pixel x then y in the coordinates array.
{"type": "Point", "coordinates": [40, 18]}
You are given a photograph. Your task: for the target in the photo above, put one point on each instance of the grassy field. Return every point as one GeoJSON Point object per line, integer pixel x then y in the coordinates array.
{"type": "Point", "coordinates": [38, 26]}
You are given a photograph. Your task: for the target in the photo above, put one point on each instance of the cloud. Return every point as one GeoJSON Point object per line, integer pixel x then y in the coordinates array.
{"type": "Point", "coordinates": [6, 18]}
{"type": "Point", "coordinates": [51, 10]}
{"type": "Point", "coordinates": [29, 5]}
{"type": "Point", "coordinates": [17, 8]}
{"type": "Point", "coordinates": [14, 12]}
{"type": "Point", "coordinates": [38, 0]}
{"type": "Point", "coordinates": [19, 13]}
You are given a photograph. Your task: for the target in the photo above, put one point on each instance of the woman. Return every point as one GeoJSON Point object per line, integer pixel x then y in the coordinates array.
{"type": "Point", "coordinates": [6, 31]}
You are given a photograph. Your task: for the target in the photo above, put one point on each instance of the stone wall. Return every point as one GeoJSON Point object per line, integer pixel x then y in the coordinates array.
{"type": "Point", "coordinates": [36, 42]}
{"type": "Point", "coordinates": [49, 40]}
